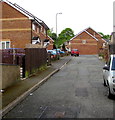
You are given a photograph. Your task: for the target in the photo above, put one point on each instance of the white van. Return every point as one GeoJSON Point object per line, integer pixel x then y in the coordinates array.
{"type": "Point", "coordinates": [109, 76]}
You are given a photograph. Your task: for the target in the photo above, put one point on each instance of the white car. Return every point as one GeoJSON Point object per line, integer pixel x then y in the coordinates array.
{"type": "Point", "coordinates": [109, 76]}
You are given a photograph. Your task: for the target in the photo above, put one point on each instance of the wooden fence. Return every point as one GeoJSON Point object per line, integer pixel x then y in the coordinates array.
{"type": "Point", "coordinates": [12, 56]}
{"type": "Point", "coordinates": [29, 59]}
{"type": "Point", "coordinates": [35, 58]}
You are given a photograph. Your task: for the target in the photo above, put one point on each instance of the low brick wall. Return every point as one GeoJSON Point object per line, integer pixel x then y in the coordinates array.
{"type": "Point", "coordinates": [10, 74]}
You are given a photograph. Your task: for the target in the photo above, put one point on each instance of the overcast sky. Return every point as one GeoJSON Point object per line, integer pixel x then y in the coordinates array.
{"type": "Point", "coordinates": [76, 14]}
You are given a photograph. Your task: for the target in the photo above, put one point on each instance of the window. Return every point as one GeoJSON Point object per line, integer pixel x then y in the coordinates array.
{"type": "Point", "coordinates": [113, 64]}
{"type": "Point", "coordinates": [37, 29]}
{"type": "Point", "coordinates": [7, 44]}
{"type": "Point", "coordinates": [104, 44]}
{"type": "Point", "coordinates": [4, 44]}
{"type": "Point", "coordinates": [0, 45]}
{"type": "Point", "coordinates": [84, 41]}
{"type": "Point", "coordinates": [44, 31]}
{"type": "Point", "coordinates": [33, 27]}
{"type": "Point", "coordinates": [41, 29]}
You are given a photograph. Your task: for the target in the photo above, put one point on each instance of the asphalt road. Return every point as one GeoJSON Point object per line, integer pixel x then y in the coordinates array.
{"type": "Point", "coordinates": [76, 91]}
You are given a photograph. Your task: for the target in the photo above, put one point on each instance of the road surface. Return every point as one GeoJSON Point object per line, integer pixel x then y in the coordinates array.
{"type": "Point", "coordinates": [76, 91]}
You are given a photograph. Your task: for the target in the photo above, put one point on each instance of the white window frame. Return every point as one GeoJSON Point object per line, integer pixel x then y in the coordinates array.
{"type": "Point", "coordinates": [41, 29]}
{"type": "Point", "coordinates": [44, 31]}
{"type": "Point", "coordinates": [84, 41]}
{"type": "Point", "coordinates": [33, 27]}
{"type": "Point", "coordinates": [5, 44]}
{"type": "Point", "coordinates": [104, 44]}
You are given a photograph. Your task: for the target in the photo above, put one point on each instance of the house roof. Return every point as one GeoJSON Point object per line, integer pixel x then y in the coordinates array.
{"type": "Point", "coordinates": [86, 32]}
{"type": "Point", "coordinates": [93, 30]}
{"type": "Point", "coordinates": [50, 38]}
{"type": "Point", "coordinates": [96, 33]}
{"type": "Point", "coordinates": [26, 13]}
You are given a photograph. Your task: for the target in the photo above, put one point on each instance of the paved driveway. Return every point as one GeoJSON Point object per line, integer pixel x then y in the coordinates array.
{"type": "Point", "coordinates": [76, 91]}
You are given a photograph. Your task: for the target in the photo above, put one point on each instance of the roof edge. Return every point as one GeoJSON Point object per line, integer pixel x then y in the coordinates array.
{"type": "Point", "coordinates": [26, 13]}
{"type": "Point", "coordinates": [93, 30]}
{"type": "Point", "coordinates": [82, 32]}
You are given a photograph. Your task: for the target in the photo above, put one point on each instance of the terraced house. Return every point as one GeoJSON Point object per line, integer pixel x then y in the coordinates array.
{"type": "Point", "coordinates": [20, 28]}
{"type": "Point", "coordinates": [88, 42]}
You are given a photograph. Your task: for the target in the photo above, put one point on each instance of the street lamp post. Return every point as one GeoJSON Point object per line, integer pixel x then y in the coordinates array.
{"type": "Point", "coordinates": [57, 35]}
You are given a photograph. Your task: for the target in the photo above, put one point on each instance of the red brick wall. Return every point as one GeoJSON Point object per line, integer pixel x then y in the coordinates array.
{"type": "Point", "coordinates": [94, 33]}
{"type": "Point", "coordinates": [50, 47]}
{"type": "Point", "coordinates": [18, 39]}
{"type": "Point", "coordinates": [10, 12]}
{"type": "Point", "coordinates": [100, 41]}
{"type": "Point", "coordinates": [15, 26]}
{"type": "Point", "coordinates": [85, 49]}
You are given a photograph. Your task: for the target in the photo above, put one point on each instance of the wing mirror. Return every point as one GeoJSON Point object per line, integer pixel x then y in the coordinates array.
{"type": "Point", "coordinates": [106, 68]}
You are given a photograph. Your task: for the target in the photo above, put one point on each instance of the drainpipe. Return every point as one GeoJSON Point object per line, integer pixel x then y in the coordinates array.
{"type": "Point", "coordinates": [31, 31]}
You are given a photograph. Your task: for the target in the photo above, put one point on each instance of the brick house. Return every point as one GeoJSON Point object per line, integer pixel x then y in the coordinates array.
{"type": "Point", "coordinates": [88, 42]}
{"type": "Point", "coordinates": [49, 43]}
{"type": "Point", "coordinates": [19, 27]}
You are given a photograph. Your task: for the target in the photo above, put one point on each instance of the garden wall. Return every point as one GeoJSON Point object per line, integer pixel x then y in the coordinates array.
{"type": "Point", "coordinates": [10, 75]}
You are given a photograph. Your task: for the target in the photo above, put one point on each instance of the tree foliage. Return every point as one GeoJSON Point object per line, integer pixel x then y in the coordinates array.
{"type": "Point", "coordinates": [65, 35]}
{"type": "Point", "coordinates": [52, 35]}
{"type": "Point", "coordinates": [105, 36]}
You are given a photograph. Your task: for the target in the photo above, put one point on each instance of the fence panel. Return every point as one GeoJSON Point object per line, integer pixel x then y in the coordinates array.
{"type": "Point", "coordinates": [35, 57]}
{"type": "Point", "coordinates": [29, 59]}
{"type": "Point", "coordinates": [12, 56]}
{"type": "Point", "coordinates": [7, 56]}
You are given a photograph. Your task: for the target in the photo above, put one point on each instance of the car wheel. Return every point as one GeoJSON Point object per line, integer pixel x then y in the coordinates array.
{"type": "Point", "coordinates": [109, 93]}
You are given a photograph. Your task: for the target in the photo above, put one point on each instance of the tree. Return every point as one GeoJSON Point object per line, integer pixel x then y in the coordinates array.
{"type": "Point", "coordinates": [105, 36]}
{"type": "Point", "coordinates": [65, 35]}
{"type": "Point", "coordinates": [52, 35]}
{"type": "Point", "coordinates": [63, 47]}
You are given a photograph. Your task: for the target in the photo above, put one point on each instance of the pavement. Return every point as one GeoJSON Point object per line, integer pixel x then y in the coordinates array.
{"type": "Point", "coordinates": [16, 93]}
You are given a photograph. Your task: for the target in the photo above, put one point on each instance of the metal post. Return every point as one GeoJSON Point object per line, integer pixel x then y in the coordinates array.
{"type": "Point", "coordinates": [57, 36]}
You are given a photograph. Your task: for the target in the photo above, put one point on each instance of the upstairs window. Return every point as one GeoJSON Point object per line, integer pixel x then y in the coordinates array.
{"type": "Point", "coordinates": [4, 44]}
{"type": "Point", "coordinates": [33, 27]}
{"type": "Point", "coordinates": [44, 31]}
{"type": "Point", "coordinates": [41, 29]}
{"type": "Point", "coordinates": [84, 41]}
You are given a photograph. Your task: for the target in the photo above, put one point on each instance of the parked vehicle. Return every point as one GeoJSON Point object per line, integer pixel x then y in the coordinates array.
{"type": "Point", "coordinates": [109, 76]}
{"type": "Point", "coordinates": [52, 52]}
{"type": "Point", "coordinates": [74, 52]}
{"type": "Point", "coordinates": [59, 51]}
{"type": "Point", "coordinates": [68, 50]}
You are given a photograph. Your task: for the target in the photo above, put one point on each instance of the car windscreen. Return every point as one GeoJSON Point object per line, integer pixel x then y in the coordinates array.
{"type": "Point", "coordinates": [113, 64]}
{"type": "Point", "coordinates": [75, 50]}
